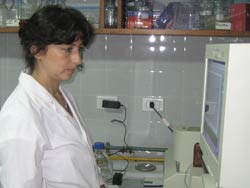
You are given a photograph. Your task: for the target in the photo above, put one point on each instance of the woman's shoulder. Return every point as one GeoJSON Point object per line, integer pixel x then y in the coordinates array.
{"type": "Point", "coordinates": [18, 103]}
{"type": "Point", "coordinates": [19, 116]}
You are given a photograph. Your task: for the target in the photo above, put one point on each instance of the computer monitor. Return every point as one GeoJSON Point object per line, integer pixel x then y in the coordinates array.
{"type": "Point", "coordinates": [225, 125]}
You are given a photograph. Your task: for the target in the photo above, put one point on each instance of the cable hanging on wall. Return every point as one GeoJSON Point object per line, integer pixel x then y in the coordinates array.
{"type": "Point", "coordinates": [117, 105]}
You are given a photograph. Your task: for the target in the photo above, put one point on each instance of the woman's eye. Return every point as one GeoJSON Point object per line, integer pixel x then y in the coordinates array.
{"type": "Point", "coordinates": [68, 50]}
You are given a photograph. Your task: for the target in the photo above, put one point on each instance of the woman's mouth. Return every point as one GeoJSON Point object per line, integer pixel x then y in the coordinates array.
{"type": "Point", "coordinates": [70, 70]}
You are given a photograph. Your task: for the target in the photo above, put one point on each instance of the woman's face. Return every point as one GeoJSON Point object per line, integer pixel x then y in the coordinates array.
{"type": "Point", "coordinates": [59, 62]}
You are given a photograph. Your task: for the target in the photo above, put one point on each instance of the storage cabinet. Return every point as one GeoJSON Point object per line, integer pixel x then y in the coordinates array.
{"type": "Point", "coordinates": [124, 31]}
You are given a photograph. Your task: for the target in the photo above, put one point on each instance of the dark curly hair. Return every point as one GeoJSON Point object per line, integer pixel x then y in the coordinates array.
{"type": "Point", "coordinates": [53, 24]}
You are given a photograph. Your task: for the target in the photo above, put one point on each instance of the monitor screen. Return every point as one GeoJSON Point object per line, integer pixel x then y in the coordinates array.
{"type": "Point", "coordinates": [213, 104]}
{"type": "Point", "coordinates": [225, 130]}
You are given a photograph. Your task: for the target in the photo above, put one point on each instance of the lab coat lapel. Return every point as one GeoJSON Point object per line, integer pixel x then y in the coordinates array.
{"type": "Point", "coordinates": [39, 94]}
{"type": "Point", "coordinates": [43, 99]}
{"type": "Point", "coordinates": [79, 120]}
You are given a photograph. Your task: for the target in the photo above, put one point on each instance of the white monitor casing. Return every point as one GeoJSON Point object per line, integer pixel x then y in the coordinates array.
{"type": "Point", "coordinates": [231, 168]}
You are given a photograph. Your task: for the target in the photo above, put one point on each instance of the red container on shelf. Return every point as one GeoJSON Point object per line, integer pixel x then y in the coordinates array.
{"type": "Point", "coordinates": [240, 17]}
{"type": "Point", "coordinates": [142, 19]}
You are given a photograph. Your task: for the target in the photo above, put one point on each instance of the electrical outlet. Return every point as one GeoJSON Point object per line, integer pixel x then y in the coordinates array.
{"type": "Point", "coordinates": [99, 100]}
{"type": "Point", "coordinates": [157, 101]}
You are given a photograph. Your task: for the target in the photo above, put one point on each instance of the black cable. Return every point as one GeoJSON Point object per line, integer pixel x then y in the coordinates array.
{"type": "Point", "coordinates": [125, 113]}
{"type": "Point", "coordinates": [157, 112]}
{"type": "Point", "coordinates": [125, 130]}
{"type": "Point", "coordinates": [123, 123]}
{"type": "Point", "coordinates": [152, 105]}
{"type": "Point", "coordinates": [171, 129]}
{"type": "Point", "coordinates": [114, 153]}
{"type": "Point", "coordinates": [126, 167]}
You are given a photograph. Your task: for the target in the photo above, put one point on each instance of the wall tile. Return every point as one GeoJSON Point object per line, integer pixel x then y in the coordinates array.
{"type": "Point", "coordinates": [130, 67]}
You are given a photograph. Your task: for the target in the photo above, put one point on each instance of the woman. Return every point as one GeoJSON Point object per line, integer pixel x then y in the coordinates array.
{"type": "Point", "coordinates": [43, 139]}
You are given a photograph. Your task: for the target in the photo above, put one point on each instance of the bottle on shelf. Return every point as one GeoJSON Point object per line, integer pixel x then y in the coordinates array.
{"type": "Point", "coordinates": [61, 2]}
{"type": "Point", "coordinates": [207, 19]}
{"type": "Point", "coordinates": [3, 13]}
{"type": "Point", "coordinates": [42, 3]}
{"type": "Point", "coordinates": [51, 2]}
{"type": "Point", "coordinates": [28, 7]}
{"type": "Point", "coordinates": [219, 11]}
{"type": "Point", "coordinates": [195, 14]}
{"type": "Point", "coordinates": [222, 14]}
{"type": "Point", "coordinates": [103, 162]}
{"type": "Point", "coordinates": [226, 9]}
{"type": "Point", "coordinates": [110, 18]}
{"type": "Point", "coordinates": [13, 15]}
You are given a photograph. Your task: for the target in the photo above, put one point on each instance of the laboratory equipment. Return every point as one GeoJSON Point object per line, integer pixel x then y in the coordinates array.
{"type": "Point", "coordinates": [179, 158]}
{"type": "Point", "coordinates": [146, 167]}
{"type": "Point", "coordinates": [103, 162]}
{"type": "Point", "coordinates": [183, 145]}
{"type": "Point", "coordinates": [225, 127]}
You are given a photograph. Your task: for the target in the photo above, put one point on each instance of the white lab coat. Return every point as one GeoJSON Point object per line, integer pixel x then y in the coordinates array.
{"type": "Point", "coordinates": [41, 145]}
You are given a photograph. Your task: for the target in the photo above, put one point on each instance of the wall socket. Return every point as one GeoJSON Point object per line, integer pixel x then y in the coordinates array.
{"type": "Point", "coordinates": [157, 101]}
{"type": "Point", "coordinates": [99, 100]}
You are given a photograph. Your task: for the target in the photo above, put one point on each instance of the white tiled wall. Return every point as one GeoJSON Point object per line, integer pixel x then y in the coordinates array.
{"type": "Point", "coordinates": [130, 67]}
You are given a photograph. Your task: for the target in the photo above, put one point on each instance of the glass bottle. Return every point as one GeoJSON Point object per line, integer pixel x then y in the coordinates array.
{"type": "Point", "coordinates": [103, 162]}
{"type": "Point", "coordinates": [110, 14]}
{"type": "Point", "coordinates": [42, 3]}
{"type": "Point", "coordinates": [13, 14]}
{"type": "Point", "coordinates": [207, 19]}
{"type": "Point", "coordinates": [226, 10]}
{"type": "Point", "coordinates": [3, 13]}
{"type": "Point", "coordinates": [61, 2]}
{"type": "Point", "coordinates": [195, 14]}
{"type": "Point", "coordinates": [51, 2]}
{"type": "Point", "coordinates": [218, 10]}
{"type": "Point", "coordinates": [28, 7]}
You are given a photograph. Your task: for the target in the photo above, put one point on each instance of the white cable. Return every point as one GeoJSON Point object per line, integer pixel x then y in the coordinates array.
{"type": "Point", "coordinates": [188, 170]}
{"type": "Point", "coordinates": [165, 122]}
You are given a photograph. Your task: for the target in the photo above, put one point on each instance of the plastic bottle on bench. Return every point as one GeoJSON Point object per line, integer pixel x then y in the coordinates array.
{"type": "Point", "coordinates": [103, 162]}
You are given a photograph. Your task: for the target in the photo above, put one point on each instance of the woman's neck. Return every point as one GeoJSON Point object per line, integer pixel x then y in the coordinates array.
{"type": "Point", "coordinates": [51, 86]}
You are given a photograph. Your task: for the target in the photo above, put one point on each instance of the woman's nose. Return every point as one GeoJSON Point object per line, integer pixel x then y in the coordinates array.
{"type": "Point", "coordinates": [77, 58]}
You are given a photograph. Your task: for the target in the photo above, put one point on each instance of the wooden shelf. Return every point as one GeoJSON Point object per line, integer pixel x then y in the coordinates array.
{"type": "Point", "coordinates": [172, 32]}
{"type": "Point", "coordinates": [169, 32]}
{"type": "Point", "coordinates": [8, 29]}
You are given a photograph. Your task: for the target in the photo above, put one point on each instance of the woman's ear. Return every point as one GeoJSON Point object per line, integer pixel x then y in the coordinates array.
{"type": "Point", "coordinates": [35, 52]}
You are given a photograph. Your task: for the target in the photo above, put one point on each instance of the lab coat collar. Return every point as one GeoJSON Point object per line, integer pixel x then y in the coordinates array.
{"type": "Point", "coordinates": [38, 93]}
{"type": "Point", "coordinates": [43, 99]}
